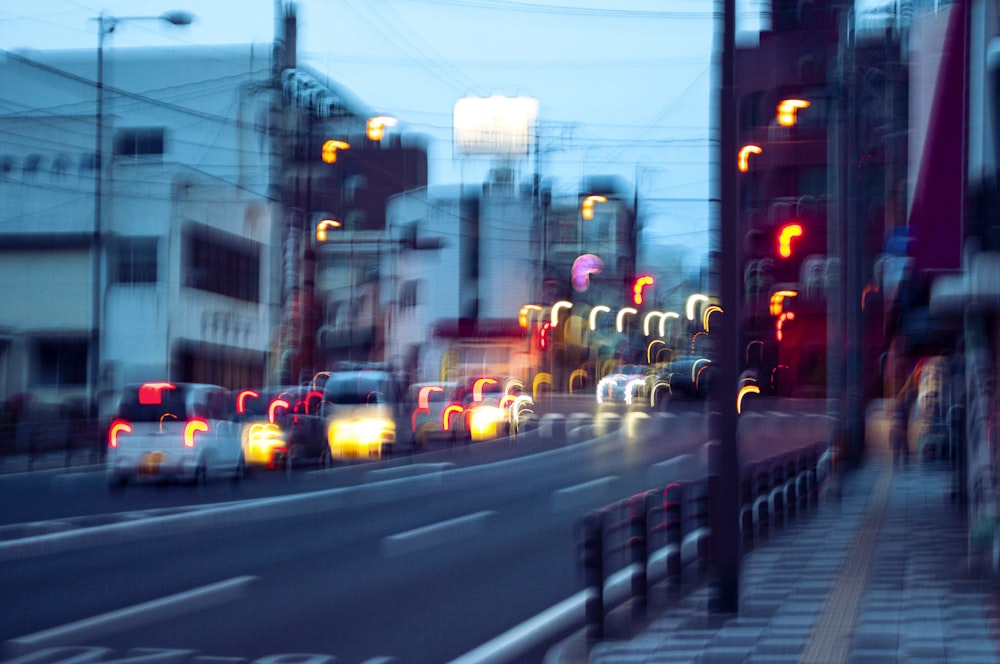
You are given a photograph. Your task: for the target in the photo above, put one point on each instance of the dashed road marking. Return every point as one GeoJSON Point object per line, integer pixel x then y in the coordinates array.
{"type": "Point", "coordinates": [436, 533]}
{"type": "Point", "coordinates": [133, 616]}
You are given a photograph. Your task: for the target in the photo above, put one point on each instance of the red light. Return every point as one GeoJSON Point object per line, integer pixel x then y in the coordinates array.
{"type": "Point", "coordinates": [313, 394]}
{"type": "Point", "coordinates": [273, 407]}
{"type": "Point", "coordinates": [151, 394]}
{"type": "Point", "coordinates": [117, 428]}
{"type": "Point", "coordinates": [193, 426]}
{"type": "Point", "coordinates": [543, 335]}
{"type": "Point", "coordinates": [241, 399]}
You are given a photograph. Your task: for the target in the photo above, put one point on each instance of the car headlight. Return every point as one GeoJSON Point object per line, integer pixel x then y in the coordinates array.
{"type": "Point", "coordinates": [484, 419]}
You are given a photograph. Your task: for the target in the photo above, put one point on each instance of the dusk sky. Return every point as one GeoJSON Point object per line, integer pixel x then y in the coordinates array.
{"type": "Point", "coordinates": [623, 87]}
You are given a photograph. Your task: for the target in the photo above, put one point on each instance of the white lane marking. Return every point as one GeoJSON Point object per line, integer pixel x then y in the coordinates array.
{"type": "Point", "coordinates": [574, 496]}
{"type": "Point", "coordinates": [256, 510]}
{"type": "Point", "coordinates": [135, 616]}
{"type": "Point", "coordinates": [665, 471]}
{"type": "Point", "coordinates": [409, 470]}
{"type": "Point", "coordinates": [435, 533]}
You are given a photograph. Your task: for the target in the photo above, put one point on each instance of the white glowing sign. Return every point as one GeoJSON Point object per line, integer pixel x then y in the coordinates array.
{"type": "Point", "coordinates": [494, 125]}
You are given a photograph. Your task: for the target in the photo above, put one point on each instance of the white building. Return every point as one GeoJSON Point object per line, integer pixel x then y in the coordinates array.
{"type": "Point", "coordinates": [187, 289]}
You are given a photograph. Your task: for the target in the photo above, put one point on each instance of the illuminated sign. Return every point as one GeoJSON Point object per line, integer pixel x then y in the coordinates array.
{"type": "Point", "coordinates": [494, 125]}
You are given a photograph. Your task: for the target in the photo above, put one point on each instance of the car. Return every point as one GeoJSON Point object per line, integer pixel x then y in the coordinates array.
{"type": "Point", "coordinates": [164, 431]}
{"type": "Point", "coordinates": [487, 407]}
{"type": "Point", "coordinates": [280, 426]}
{"type": "Point", "coordinates": [364, 416]}
{"type": "Point", "coordinates": [627, 386]}
{"type": "Point", "coordinates": [426, 403]}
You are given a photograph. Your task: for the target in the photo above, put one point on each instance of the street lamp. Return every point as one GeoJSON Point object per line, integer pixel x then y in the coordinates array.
{"type": "Point", "coordinates": [106, 24]}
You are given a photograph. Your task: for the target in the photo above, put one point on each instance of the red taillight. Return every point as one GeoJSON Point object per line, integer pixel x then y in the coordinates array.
{"type": "Point", "coordinates": [272, 409]}
{"type": "Point", "coordinates": [117, 428]}
{"type": "Point", "coordinates": [191, 428]}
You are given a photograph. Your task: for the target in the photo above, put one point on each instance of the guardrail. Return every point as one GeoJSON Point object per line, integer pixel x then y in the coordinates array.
{"type": "Point", "coordinates": [661, 535]}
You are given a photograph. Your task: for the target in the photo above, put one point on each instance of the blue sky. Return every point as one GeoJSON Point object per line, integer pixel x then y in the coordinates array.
{"type": "Point", "coordinates": [623, 87]}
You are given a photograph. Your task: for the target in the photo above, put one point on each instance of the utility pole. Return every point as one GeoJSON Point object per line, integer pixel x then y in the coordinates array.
{"type": "Point", "coordinates": [725, 461]}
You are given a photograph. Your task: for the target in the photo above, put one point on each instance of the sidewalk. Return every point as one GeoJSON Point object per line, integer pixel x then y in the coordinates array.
{"type": "Point", "coordinates": [879, 576]}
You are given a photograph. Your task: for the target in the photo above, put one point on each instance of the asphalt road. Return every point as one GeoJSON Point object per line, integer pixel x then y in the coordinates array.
{"type": "Point", "coordinates": [420, 560]}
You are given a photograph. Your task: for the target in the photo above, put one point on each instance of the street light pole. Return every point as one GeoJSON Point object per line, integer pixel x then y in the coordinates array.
{"type": "Point", "coordinates": [106, 25]}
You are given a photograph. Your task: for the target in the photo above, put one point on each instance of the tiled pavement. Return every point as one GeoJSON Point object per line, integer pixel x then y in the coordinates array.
{"type": "Point", "coordinates": [879, 575]}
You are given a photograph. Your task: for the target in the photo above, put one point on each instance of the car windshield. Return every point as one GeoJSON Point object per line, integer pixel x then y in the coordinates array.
{"type": "Point", "coordinates": [355, 389]}
{"type": "Point", "coordinates": [138, 405]}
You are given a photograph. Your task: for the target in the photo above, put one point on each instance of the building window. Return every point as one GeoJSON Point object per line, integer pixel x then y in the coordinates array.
{"type": "Point", "coordinates": [60, 362]}
{"type": "Point", "coordinates": [408, 294]}
{"type": "Point", "coordinates": [139, 142]}
{"type": "Point", "coordinates": [221, 263]}
{"type": "Point", "coordinates": [134, 261]}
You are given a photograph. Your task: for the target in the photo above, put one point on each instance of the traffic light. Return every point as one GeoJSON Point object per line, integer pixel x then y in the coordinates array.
{"type": "Point", "coordinates": [544, 333]}
{"type": "Point", "coordinates": [787, 240]}
{"type": "Point", "coordinates": [641, 283]}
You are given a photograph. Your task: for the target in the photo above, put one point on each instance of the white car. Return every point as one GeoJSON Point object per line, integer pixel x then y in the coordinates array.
{"type": "Point", "coordinates": [174, 432]}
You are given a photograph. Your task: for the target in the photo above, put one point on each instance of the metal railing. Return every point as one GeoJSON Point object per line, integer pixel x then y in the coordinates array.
{"type": "Point", "coordinates": [663, 535]}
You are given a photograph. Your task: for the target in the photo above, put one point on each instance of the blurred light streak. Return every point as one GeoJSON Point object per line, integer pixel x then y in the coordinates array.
{"type": "Point", "coordinates": [194, 425]}
{"type": "Point", "coordinates": [692, 301]}
{"type": "Point", "coordinates": [620, 320]}
{"type": "Point", "coordinates": [709, 310]}
{"type": "Point", "coordinates": [150, 394]}
{"type": "Point", "coordinates": [745, 390]}
{"type": "Point", "coordinates": [241, 399]}
{"type": "Point", "coordinates": [329, 153]}
{"type": "Point", "coordinates": [743, 162]}
{"type": "Point", "coordinates": [561, 304]}
{"type": "Point", "coordinates": [117, 428]}
{"type": "Point", "coordinates": [788, 111]}
{"type": "Point", "coordinates": [600, 308]}
{"type": "Point", "coordinates": [587, 209]}
{"type": "Point", "coordinates": [377, 125]}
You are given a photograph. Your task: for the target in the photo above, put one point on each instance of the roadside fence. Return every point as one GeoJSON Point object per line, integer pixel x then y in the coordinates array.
{"type": "Point", "coordinates": [663, 535]}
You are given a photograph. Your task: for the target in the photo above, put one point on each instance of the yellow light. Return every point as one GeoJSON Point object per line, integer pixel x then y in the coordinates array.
{"type": "Point", "coordinates": [778, 299]}
{"type": "Point", "coordinates": [587, 211]}
{"type": "Point", "coordinates": [323, 226]}
{"type": "Point", "coordinates": [524, 315]}
{"type": "Point", "coordinates": [484, 422]}
{"type": "Point", "coordinates": [788, 231]}
{"type": "Point", "coordinates": [743, 161]}
{"type": "Point", "coordinates": [649, 349]}
{"type": "Point", "coordinates": [639, 286]}
{"type": "Point", "coordinates": [593, 315]}
{"type": "Point", "coordinates": [477, 387]}
{"type": "Point", "coordinates": [330, 150]}
{"type": "Point", "coordinates": [788, 110]}
{"type": "Point", "coordinates": [709, 310]}
{"type": "Point", "coordinates": [745, 390]}
{"type": "Point", "coordinates": [377, 125]}
{"type": "Point", "coordinates": [542, 378]}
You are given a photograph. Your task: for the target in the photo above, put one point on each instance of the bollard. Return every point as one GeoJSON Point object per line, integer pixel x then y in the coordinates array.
{"type": "Point", "coordinates": [747, 506]}
{"type": "Point", "coordinates": [700, 500]}
{"type": "Point", "coordinates": [802, 480]}
{"type": "Point", "coordinates": [777, 498]}
{"type": "Point", "coordinates": [674, 521]}
{"type": "Point", "coordinates": [791, 485]}
{"type": "Point", "coordinates": [592, 555]}
{"type": "Point", "coordinates": [762, 504]}
{"type": "Point", "coordinates": [637, 552]}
